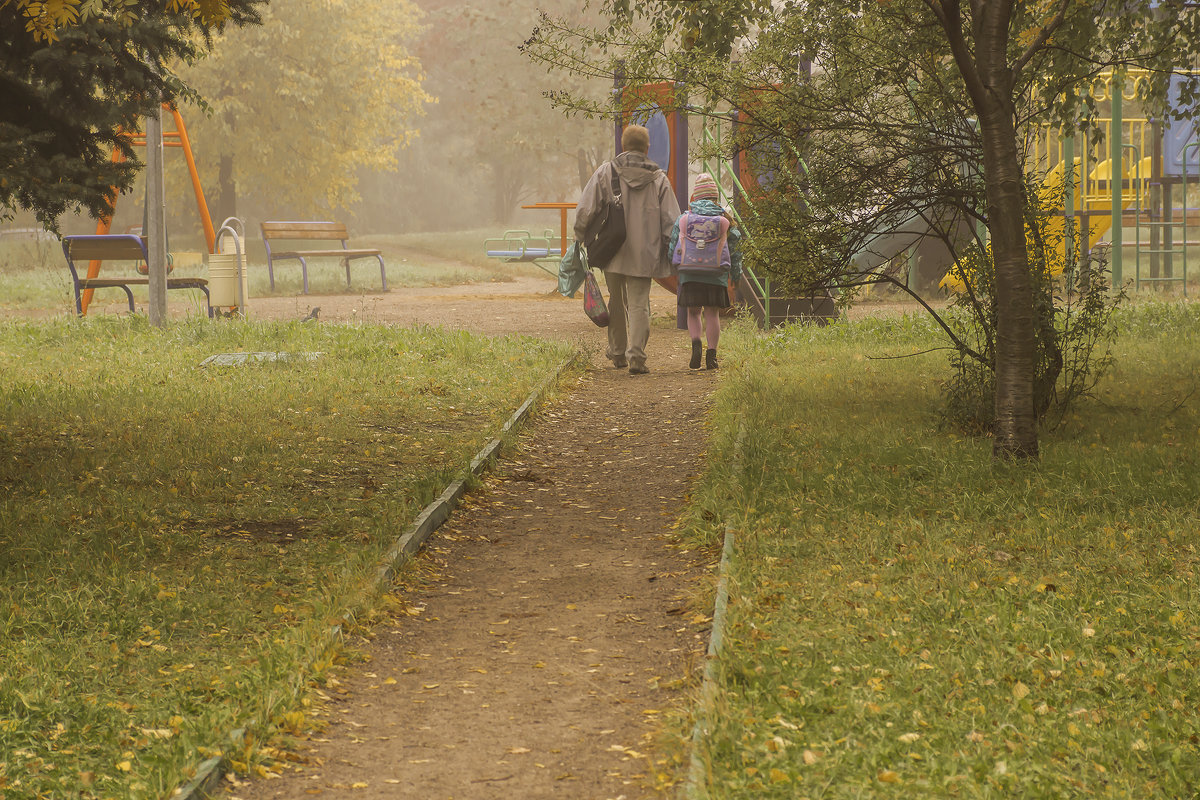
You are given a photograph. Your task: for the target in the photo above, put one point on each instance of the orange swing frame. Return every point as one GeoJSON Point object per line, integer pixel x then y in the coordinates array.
{"type": "Point", "coordinates": [176, 138]}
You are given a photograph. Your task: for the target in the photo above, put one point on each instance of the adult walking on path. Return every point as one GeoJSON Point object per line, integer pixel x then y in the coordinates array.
{"type": "Point", "coordinates": [650, 211]}
{"type": "Point", "coordinates": [551, 630]}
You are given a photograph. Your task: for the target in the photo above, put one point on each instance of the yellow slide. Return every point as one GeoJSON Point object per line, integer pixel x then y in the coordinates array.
{"type": "Point", "coordinates": [1098, 204]}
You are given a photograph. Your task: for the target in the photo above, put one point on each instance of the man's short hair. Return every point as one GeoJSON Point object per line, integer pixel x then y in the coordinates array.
{"type": "Point", "coordinates": [635, 137]}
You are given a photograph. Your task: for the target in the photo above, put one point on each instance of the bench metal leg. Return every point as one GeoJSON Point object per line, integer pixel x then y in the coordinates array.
{"type": "Point", "coordinates": [346, 264]}
{"type": "Point", "coordinates": [304, 273]}
{"type": "Point", "coordinates": [270, 273]}
{"type": "Point", "coordinates": [382, 272]}
{"type": "Point", "coordinates": [128, 296]}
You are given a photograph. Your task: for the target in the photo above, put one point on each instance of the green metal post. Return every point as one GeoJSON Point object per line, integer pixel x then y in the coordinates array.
{"type": "Point", "coordinates": [1116, 155]}
{"type": "Point", "coordinates": [1068, 158]}
{"type": "Point", "coordinates": [1184, 233]}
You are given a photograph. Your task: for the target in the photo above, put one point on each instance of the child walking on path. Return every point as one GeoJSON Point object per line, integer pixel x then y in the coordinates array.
{"type": "Point", "coordinates": [704, 247]}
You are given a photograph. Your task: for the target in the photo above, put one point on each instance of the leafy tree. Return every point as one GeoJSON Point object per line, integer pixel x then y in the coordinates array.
{"type": "Point", "coordinates": [302, 105]}
{"type": "Point", "coordinates": [44, 20]}
{"type": "Point", "coordinates": [918, 107]}
{"type": "Point", "coordinates": [74, 73]}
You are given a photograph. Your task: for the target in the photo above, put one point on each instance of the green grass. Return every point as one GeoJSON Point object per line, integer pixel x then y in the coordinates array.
{"type": "Point", "coordinates": [34, 275]}
{"type": "Point", "coordinates": [910, 619]}
{"type": "Point", "coordinates": [175, 540]}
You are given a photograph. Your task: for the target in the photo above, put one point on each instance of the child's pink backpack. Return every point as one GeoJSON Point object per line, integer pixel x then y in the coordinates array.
{"type": "Point", "coordinates": [703, 247]}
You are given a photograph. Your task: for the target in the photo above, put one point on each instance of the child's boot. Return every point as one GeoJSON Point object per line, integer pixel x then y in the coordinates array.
{"type": "Point", "coordinates": [710, 359]}
{"type": "Point", "coordinates": [695, 362]}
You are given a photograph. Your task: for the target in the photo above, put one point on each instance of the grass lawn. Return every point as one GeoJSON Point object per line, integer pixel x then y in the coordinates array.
{"type": "Point", "coordinates": [175, 540]}
{"type": "Point", "coordinates": [909, 619]}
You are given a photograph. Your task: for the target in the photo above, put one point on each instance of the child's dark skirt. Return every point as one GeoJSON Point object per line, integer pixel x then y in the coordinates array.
{"type": "Point", "coordinates": [694, 294]}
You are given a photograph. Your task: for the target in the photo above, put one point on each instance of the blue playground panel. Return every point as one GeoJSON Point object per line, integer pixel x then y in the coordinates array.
{"type": "Point", "coordinates": [526, 254]}
{"type": "Point", "coordinates": [1177, 135]}
{"type": "Point", "coordinates": [652, 118]}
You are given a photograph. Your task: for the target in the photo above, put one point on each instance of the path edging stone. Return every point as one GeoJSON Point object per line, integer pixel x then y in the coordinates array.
{"type": "Point", "coordinates": [708, 687]}
{"type": "Point", "coordinates": [209, 772]}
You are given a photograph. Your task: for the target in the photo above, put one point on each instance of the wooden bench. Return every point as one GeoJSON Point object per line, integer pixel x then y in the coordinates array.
{"type": "Point", "coordinates": [314, 231]}
{"type": "Point", "coordinates": [117, 247]}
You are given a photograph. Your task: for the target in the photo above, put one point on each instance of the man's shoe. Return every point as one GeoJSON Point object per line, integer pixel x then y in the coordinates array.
{"type": "Point", "coordinates": [710, 359]}
{"type": "Point", "coordinates": [636, 370]}
{"type": "Point", "coordinates": [620, 363]}
{"type": "Point", "coordinates": [695, 362]}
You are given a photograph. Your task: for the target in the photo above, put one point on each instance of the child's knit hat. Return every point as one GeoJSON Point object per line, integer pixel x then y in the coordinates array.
{"type": "Point", "coordinates": [705, 188]}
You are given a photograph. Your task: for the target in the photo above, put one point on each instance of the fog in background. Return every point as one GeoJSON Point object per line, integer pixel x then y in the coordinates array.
{"type": "Point", "coordinates": [487, 143]}
{"type": "Point", "coordinates": [491, 142]}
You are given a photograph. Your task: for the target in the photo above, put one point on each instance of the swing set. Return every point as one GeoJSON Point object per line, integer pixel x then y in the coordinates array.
{"type": "Point", "coordinates": [177, 138]}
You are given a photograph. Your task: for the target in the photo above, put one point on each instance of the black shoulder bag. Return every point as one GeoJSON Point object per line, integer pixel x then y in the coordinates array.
{"type": "Point", "coordinates": [606, 234]}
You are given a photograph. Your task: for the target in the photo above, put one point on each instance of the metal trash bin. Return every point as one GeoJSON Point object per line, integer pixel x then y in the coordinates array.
{"type": "Point", "coordinates": [228, 278]}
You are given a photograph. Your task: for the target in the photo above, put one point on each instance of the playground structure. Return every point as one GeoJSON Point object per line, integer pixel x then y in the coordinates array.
{"type": "Point", "coordinates": [1136, 179]}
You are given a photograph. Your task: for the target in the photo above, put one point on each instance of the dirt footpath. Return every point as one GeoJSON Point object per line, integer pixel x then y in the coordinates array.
{"type": "Point", "coordinates": [526, 305]}
{"type": "Point", "coordinates": [549, 628]}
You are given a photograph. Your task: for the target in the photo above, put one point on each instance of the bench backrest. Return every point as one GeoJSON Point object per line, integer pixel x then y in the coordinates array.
{"type": "Point", "coordinates": [117, 246]}
{"type": "Point", "coordinates": [304, 230]}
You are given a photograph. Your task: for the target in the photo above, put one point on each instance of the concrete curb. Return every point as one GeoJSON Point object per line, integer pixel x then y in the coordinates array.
{"type": "Point", "coordinates": [708, 689]}
{"type": "Point", "coordinates": [210, 772]}
{"type": "Point", "coordinates": [694, 784]}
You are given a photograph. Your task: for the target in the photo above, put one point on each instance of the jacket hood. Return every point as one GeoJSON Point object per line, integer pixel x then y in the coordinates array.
{"type": "Point", "coordinates": [636, 169]}
{"type": "Point", "coordinates": [705, 208]}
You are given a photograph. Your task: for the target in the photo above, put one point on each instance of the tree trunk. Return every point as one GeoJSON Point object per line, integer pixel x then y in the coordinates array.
{"type": "Point", "coordinates": [226, 200]}
{"type": "Point", "coordinates": [1016, 435]}
{"type": "Point", "coordinates": [510, 182]}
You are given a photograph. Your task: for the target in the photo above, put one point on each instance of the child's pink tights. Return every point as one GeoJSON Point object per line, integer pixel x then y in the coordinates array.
{"type": "Point", "coordinates": [712, 324]}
